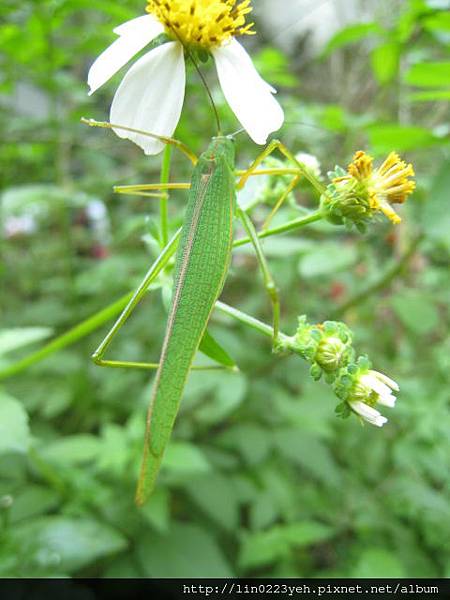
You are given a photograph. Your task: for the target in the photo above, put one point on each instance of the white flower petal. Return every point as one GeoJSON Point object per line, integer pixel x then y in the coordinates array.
{"type": "Point", "coordinates": [387, 380]}
{"type": "Point", "coordinates": [372, 381]}
{"type": "Point", "coordinates": [369, 414]}
{"type": "Point", "coordinates": [145, 21]}
{"type": "Point", "coordinates": [387, 400]}
{"type": "Point", "coordinates": [134, 35]}
{"type": "Point", "coordinates": [151, 96]}
{"type": "Point", "coordinates": [249, 96]}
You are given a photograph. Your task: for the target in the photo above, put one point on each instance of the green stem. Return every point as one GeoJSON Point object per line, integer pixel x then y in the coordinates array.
{"type": "Point", "coordinates": [163, 203]}
{"type": "Point", "coordinates": [251, 322]}
{"type": "Point", "coordinates": [289, 226]}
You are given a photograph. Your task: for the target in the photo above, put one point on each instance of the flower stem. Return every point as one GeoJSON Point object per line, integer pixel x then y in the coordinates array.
{"type": "Point", "coordinates": [289, 226]}
{"type": "Point", "coordinates": [163, 203]}
{"type": "Point", "coordinates": [246, 319]}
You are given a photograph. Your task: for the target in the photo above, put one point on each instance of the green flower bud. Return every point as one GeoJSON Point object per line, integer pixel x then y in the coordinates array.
{"type": "Point", "coordinates": [326, 346]}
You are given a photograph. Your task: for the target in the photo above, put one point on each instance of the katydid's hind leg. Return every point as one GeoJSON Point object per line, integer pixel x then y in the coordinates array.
{"type": "Point", "coordinates": [151, 275]}
{"type": "Point", "coordinates": [269, 282]}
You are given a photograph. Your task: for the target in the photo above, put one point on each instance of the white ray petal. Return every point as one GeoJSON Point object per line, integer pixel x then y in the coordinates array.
{"type": "Point", "coordinates": [144, 21]}
{"type": "Point", "coordinates": [387, 400]}
{"type": "Point", "coordinates": [375, 384]}
{"type": "Point", "coordinates": [151, 96]}
{"type": "Point", "coordinates": [387, 380]}
{"type": "Point", "coordinates": [134, 35]}
{"type": "Point", "coordinates": [249, 96]}
{"type": "Point", "coordinates": [369, 414]}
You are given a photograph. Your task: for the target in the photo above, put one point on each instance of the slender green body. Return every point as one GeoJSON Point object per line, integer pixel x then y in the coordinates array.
{"type": "Point", "coordinates": [202, 263]}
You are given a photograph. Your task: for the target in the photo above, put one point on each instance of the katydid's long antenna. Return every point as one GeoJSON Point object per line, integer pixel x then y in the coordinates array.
{"type": "Point", "coordinates": [167, 140]}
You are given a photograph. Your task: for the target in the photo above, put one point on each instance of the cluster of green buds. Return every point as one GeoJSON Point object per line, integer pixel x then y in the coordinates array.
{"type": "Point", "coordinates": [356, 196]}
{"type": "Point", "coordinates": [328, 348]}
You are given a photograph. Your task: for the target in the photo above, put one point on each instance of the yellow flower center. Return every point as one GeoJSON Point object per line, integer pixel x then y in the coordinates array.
{"type": "Point", "coordinates": [389, 184]}
{"type": "Point", "coordinates": [202, 23]}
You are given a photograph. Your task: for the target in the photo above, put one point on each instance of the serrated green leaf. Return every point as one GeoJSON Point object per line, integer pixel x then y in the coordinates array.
{"type": "Point", "coordinates": [66, 543]}
{"type": "Point", "coordinates": [12, 339]}
{"type": "Point", "coordinates": [251, 440]}
{"type": "Point", "coordinates": [31, 501]}
{"type": "Point", "coordinates": [72, 450]}
{"type": "Point", "coordinates": [374, 563]}
{"type": "Point", "coordinates": [14, 429]}
{"type": "Point", "coordinates": [416, 311]}
{"type": "Point", "coordinates": [429, 74]}
{"type": "Point", "coordinates": [350, 35]}
{"type": "Point", "coordinates": [184, 459]}
{"type": "Point", "coordinates": [435, 215]}
{"type": "Point", "coordinates": [385, 60]}
{"type": "Point", "coordinates": [431, 96]}
{"type": "Point", "coordinates": [186, 551]}
{"type": "Point", "coordinates": [385, 138]}
{"type": "Point", "coordinates": [326, 259]}
{"type": "Point", "coordinates": [437, 22]}
{"type": "Point", "coordinates": [267, 547]}
{"type": "Point", "coordinates": [216, 497]}
{"type": "Point", "coordinates": [157, 509]}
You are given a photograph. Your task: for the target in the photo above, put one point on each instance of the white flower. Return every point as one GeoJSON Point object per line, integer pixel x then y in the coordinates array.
{"type": "Point", "coordinates": [382, 386]}
{"type": "Point", "coordinates": [372, 388]}
{"type": "Point", "coordinates": [369, 414]}
{"type": "Point", "coordinates": [150, 96]}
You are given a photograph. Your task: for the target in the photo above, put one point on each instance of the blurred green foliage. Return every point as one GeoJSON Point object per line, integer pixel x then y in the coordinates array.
{"type": "Point", "coordinates": [261, 478]}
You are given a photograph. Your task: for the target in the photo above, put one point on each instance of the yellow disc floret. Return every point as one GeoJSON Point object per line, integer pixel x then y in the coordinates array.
{"type": "Point", "coordinates": [389, 184]}
{"type": "Point", "coordinates": [202, 23]}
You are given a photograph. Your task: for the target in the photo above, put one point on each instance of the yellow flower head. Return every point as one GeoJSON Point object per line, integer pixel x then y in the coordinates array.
{"type": "Point", "coordinates": [389, 184]}
{"type": "Point", "coordinates": [202, 23]}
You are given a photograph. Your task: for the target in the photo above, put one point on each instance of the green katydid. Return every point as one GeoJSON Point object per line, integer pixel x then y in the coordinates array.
{"type": "Point", "coordinates": [204, 252]}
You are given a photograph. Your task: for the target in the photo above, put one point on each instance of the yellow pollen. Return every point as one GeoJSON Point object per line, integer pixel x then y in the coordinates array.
{"type": "Point", "coordinates": [202, 23]}
{"type": "Point", "coordinates": [389, 184]}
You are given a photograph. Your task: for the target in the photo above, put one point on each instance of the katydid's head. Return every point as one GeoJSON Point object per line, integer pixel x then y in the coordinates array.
{"type": "Point", "coordinates": [221, 146]}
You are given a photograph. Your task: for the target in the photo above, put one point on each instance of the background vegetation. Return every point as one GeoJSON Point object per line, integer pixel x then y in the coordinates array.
{"type": "Point", "coordinates": [261, 477]}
